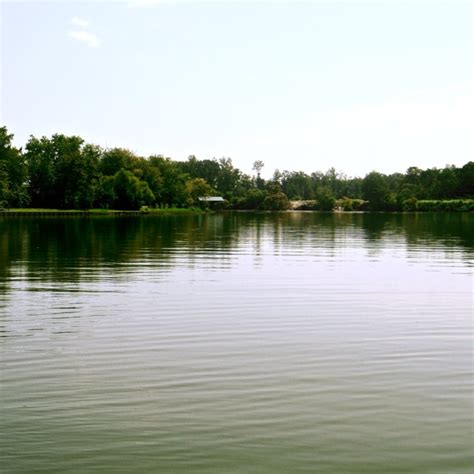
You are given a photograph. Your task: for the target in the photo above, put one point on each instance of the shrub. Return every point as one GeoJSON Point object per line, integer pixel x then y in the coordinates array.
{"type": "Point", "coordinates": [410, 204]}
{"type": "Point", "coordinates": [276, 202]}
{"type": "Point", "coordinates": [326, 200]}
{"type": "Point", "coordinates": [453, 205]}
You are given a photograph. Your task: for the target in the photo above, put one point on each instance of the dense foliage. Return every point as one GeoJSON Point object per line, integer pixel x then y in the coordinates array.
{"type": "Point", "coordinates": [65, 172]}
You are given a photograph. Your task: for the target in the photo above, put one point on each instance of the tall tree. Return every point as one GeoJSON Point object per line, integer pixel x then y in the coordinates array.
{"type": "Point", "coordinates": [130, 192]}
{"type": "Point", "coordinates": [258, 166]}
{"type": "Point", "coordinates": [466, 180]}
{"type": "Point", "coordinates": [62, 172]}
{"type": "Point", "coordinates": [196, 188]}
{"type": "Point", "coordinates": [375, 190]}
{"type": "Point", "coordinates": [173, 189]}
{"type": "Point", "coordinates": [13, 173]}
{"type": "Point", "coordinates": [114, 159]}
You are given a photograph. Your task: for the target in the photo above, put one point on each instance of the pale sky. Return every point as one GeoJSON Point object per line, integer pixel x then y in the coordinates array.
{"type": "Point", "coordinates": [299, 85]}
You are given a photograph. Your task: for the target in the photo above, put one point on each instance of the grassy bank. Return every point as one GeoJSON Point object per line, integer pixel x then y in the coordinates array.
{"type": "Point", "coordinates": [409, 205]}
{"type": "Point", "coordinates": [100, 212]}
{"type": "Point", "coordinates": [346, 204]}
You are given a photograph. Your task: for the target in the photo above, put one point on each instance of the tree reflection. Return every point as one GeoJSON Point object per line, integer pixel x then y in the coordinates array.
{"type": "Point", "coordinates": [72, 249]}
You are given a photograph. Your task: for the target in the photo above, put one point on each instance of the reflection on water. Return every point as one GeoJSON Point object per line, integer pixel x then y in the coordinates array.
{"type": "Point", "coordinates": [240, 342]}
{"type": "Point", "coordinates": [69, 249]}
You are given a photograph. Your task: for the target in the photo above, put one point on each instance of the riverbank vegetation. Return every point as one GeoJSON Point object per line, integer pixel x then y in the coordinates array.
{"type": "Point", "coordinates": [65, 172]}
{"type": "Point", "coordinates": [144, 210]}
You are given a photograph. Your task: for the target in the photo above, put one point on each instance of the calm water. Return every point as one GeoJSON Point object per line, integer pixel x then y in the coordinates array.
{"type": "Point", "coordinates": [240, 343]}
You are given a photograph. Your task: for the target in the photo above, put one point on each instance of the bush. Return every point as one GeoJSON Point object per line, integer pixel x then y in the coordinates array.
{"type": "Point", "coordinates": [453, 205]}
{"type": "Point", "coordinates": [410, 204]}
{"type": "Point", "coordinates": [346, 204]}
{"type": "Point", "coordinates": [358, 204]}
{"type": "Point", "coordinates": [253, 199]}
{"type": "Point", "coordinates": [276, 202]}
{"type": "Point", "coordinates": [326, 200]}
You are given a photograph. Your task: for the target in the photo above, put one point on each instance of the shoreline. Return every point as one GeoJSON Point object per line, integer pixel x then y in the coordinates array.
{"type": "Point", "coordinates": [189, 211]}
{"type": "Point", "coordinates": [99, 212]}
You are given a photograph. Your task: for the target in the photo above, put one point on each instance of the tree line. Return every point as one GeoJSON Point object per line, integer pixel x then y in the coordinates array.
{"type": "Point", "coordinates": [65, 172]}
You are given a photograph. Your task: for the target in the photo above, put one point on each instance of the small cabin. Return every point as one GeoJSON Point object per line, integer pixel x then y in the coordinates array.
{"type": "Point", "coordinates": [211, 199]}
{"type": "Point", "coordinates": [214, 202]}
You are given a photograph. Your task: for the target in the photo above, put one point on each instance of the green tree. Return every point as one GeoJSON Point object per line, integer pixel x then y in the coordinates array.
{"type": "Point", "coordinates": [4, 189]}
{"type": "Point", "coordinates": [375, 190]}
{"type": "Point", "coordinates": [105, 196]}
{"type": "Point", "coordinates": [297, 185]}
{"type": "Point", "coordinates": [251, 199]}
{"type": "Point", "coordinates": [228, 179]}
{"type": "Point", "coordinates": [130, 192]}
{"type": "Point", "coordinates": [40, 160]}
{"type": "Point", "coordinates": [208, 170]}
{"type": "Point", "coordinates": [270, 199]}
{"type": "Point", "coordinates": [257, 166]}
{"type": "Point", "coordinates": [275, 201]}
{"type": "Point", "coordinates": [196, 188]}
{"type": "Point", "coordinates": [13, 173]}
{"type": "Point", "coordinates": [115, 159]}
{"type": "Point", "coordinates": [325, 198]}
{"type": "Point", "coordinates": [173, 181]}
{"type": "Point", "coordinates": [331, 180]}
{"type": "Point", "coordinates": [145, 171]}
{"type": "Point", "coordinates": [466, 180]}
{"type": "Point", "coordinates": [62, 171]}
{"type": "Point", "coordinates": [76, 175]}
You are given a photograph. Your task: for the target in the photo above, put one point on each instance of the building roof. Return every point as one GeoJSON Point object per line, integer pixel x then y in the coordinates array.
{"type": "Point", "coordinates": [211, 199]}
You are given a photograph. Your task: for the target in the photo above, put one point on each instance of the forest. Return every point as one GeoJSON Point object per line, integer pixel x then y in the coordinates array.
{"type": "Point", "coordinates": [65, 172]}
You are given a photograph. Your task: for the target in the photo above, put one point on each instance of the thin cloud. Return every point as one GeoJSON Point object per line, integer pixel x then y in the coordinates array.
{"type": "Point", "coordinates": [86, 37]}
{"type": "Point", "coordinates": [144, 3]}
{"type": "Point", "coordinates": [80, 22]}
{"type": "Point", "coordinates": [82, 33]}
{"type": "Point", "coordinates": [152, 3]}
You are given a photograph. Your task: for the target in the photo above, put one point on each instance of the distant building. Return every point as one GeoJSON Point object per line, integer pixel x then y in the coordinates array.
{"type": "Point", "coordinates": [211, 199]}
{"type": "Point", "coordinates": [211, 202]}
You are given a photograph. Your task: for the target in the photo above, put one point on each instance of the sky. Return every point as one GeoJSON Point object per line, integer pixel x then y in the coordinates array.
{"type": "Point", "coordinates": [301, 85]}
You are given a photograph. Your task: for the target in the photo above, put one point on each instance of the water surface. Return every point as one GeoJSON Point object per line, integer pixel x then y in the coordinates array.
{"type": "Point", "coordinates": [240, 343]}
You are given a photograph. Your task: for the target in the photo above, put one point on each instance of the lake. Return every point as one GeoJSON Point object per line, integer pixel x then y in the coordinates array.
{"type": "Point", "coordinates": [237, 343]}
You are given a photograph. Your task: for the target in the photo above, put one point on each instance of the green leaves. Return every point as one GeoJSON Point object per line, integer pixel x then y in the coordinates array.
{"type": "Point", "coordinates": [65, 172]}
{"type": "Point", "coordinates": [375, 190]}
{"type": "Point", "coordinates": [13, 173]}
